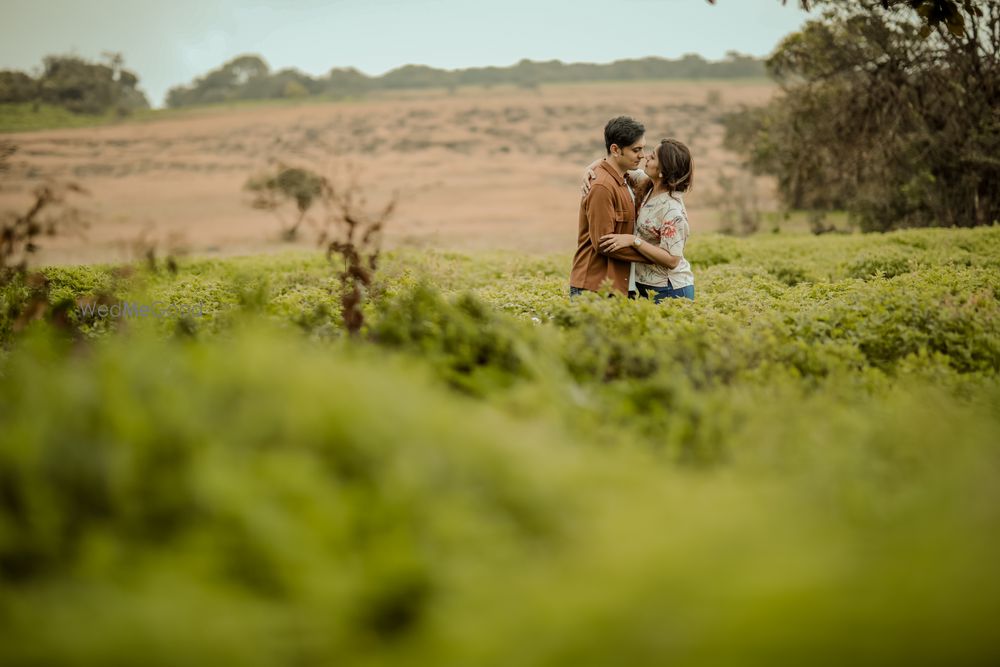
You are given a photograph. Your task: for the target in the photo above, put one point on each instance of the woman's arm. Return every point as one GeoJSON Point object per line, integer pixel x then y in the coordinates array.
{"type": "Point", "coordinates": [656, 254]}
{"type": "Point", "coordinates": [641, 184]}
{"type": "Point", "coordinates": [637, 180]}
{"type": "Point", "coordinates": [589, 175]}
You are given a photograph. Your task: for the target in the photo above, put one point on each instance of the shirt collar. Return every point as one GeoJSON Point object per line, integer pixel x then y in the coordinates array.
{"type": "Point", "coordinates": [676, 196]}
{"type": "Point", "coordinates": [619, 178]}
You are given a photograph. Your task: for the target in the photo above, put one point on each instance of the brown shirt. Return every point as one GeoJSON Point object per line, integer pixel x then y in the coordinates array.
{"type": "Point", "coordinates": [607, 209]}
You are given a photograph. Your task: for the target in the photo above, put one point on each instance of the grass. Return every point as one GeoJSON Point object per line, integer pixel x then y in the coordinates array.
{"type": "Point", "coordinates": [800, 467]}
{"type": "Point", "coordinates": [30, 118]}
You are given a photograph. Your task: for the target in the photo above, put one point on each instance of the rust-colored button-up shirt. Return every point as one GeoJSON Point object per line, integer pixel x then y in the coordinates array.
{"type": "Point", "coordinates": [607, 209]}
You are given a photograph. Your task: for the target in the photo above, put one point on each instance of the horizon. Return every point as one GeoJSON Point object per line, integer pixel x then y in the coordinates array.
{"type": "Point", "coordinates": [315, 37]}
{"type": "Point", "coordinates": [162, 103]}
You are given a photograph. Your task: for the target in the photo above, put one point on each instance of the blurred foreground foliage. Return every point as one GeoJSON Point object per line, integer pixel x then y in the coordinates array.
{"type": "Point", "coordinates": [801, 467]}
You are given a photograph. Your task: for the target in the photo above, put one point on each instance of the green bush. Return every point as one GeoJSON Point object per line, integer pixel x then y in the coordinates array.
{"type": "Point", "coordinates": [492, 474]}
{"type": "Point", "coordinates": [887, 262]}
{"type": "Point", "coordinates": [326, 504]}
{"type": "Point", "coordinates": [465, 339]}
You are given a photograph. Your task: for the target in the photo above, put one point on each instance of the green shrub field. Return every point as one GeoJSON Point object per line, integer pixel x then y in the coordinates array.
{"type": "Point", "coordinates": [802, 467]}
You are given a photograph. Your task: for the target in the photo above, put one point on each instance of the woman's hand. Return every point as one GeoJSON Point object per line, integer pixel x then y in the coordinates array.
{"type": "Point", "coordinates": [588, 177]}
{"type": "Point", "coordinates": [613, 242]}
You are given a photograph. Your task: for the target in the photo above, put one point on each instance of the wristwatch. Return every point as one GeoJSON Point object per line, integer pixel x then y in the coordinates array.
{"type": "Point", "coordinates": [637, 242]}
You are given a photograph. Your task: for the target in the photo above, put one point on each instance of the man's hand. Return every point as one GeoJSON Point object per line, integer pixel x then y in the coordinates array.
{"type": "Point", "coordinates": [613, 242]}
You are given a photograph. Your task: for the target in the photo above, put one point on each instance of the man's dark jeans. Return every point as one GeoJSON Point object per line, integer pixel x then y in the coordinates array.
{"type": "Point", "coordinates": [658, 294]}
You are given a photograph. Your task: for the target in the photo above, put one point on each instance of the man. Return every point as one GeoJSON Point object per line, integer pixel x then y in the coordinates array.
{"type": "Point", "coordinates": [609, 209]}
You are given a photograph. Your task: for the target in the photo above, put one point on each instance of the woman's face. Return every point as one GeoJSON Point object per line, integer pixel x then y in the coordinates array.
{"type": "Point", "coordinates": [652, 167]}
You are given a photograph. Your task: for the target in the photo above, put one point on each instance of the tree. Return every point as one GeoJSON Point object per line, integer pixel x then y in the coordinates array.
{"type": "Point", "coordinates": [283, 185]}
{"type": "Point", "coordinates": [78, 85]}
{"type": "Point", "coordinates": [249, 78]}
{"type": "Point", "coordinates": [934, 13]}
{"type": "Point", "coordinates": [223, 84]}
{"type": "Point", "coordinates": [242, 69]}
{"type": "Point", "coordinates": [350, 228]}
{"type": "Point", "coordinates": [17, 87]}
{"type": "Point", "coordinates": [898, 128]}
{"type": "Point", "coordinates": [345, 81]}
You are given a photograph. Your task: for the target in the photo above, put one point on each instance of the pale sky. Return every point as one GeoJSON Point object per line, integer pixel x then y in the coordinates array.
{"type": "Point", "coordinates": [171, 42]}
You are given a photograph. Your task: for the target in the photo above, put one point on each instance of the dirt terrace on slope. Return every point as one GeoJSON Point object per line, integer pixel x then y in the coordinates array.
{"type": "Point", "coordinates": [479, 168]}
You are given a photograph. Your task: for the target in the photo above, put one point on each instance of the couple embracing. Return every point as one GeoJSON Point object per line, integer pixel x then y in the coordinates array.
{"type": "Point", "coordinates": [633, 223]}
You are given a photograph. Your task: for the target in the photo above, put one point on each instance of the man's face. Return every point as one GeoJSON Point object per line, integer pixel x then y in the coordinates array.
{"type": "Point", "coordinates": [629, 157]}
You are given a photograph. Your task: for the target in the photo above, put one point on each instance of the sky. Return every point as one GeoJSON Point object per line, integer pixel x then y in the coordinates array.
{"type": "Point", "coordinates": [170, 43]}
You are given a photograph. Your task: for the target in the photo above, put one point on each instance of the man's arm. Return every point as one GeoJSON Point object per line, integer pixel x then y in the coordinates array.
{"type": "Point", "coordinates": [600, 208]}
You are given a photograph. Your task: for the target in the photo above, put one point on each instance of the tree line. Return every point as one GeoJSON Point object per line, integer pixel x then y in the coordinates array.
{"type": "Point", "coordinates": [76, 84]}
{"type": "Point", "coordinates": [249, 77]}
{"type": "Point", "coordinates": [82, 86]}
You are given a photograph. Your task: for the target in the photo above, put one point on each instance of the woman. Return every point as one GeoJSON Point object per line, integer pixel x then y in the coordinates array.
{"type": "Point", "coordinates": [662, 226]}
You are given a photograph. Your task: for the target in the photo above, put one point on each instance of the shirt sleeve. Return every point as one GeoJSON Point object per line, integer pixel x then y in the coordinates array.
{"type": "Point", "coordinates": [673, 231]}
{"type": "Point", "coordinates": [600, 208]}
{"type": "Point", "coordinates": [642, 183]}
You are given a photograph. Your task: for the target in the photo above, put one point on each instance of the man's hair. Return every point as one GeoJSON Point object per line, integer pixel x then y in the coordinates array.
{"type": "Point", "coordinates": [676, 167]}
{"type": "Point", "coordinates": [622, 131]}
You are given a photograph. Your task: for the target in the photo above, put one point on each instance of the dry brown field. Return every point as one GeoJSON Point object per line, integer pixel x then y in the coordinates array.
{"type": "Point", "coordinates": [475, 168]}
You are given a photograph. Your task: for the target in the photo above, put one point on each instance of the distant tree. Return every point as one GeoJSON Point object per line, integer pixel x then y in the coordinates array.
{"type": "Point", "coordinates": [77, 85]}
{"type": "Point", "coordinates": [414, 76]}
{"type": "Point", "coordinates": [284, 186]}
{"type": "Point", "coordinates": [245, 68]}
{"type": "Point", "coordinates": [293, 83]}
{"type": "Point", "coordinates": [248, 77]}
{"type": "Point", "coordinates": [114, 60]}
{"type": "Point", "coordinates": [294, 89]}
{"type": "Point", "coordinates": [223, 84]}
{"type": "Point", "coordinates": [738, 65]}
{"type": "Point", "coordinates": [345, 81]}
{"type": "Point", "coordinates": [73, 83]}
{"type": "Point", "coordinates": [17, 87]}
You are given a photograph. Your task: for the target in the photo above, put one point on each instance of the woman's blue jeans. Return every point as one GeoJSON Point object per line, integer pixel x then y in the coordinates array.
{"type": "Point", "coordinates": [661, 293]}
